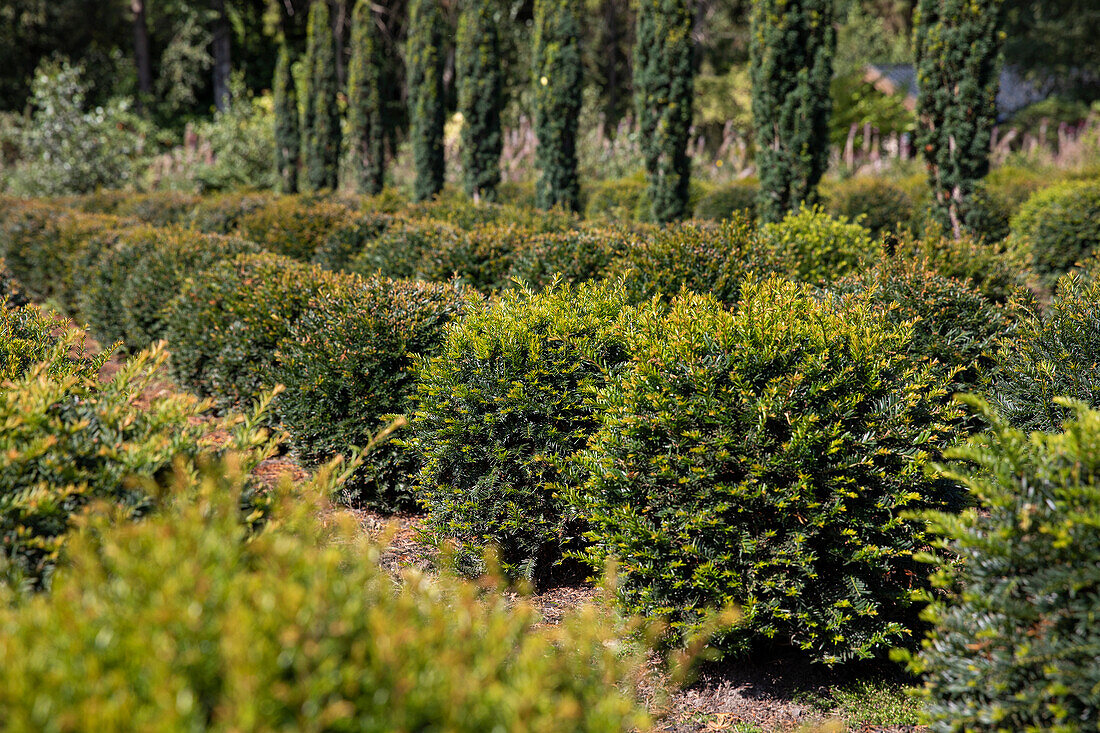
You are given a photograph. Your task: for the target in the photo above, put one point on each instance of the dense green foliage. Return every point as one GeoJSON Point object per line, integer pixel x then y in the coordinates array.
{"type": "Point", "coordinates": [573, 256]}
{"type": "Point", "coordinates": [557, 83]}
{"type": "Point", "coordinates": [400, 249]}
{"type": "Point", "coordinates": [724, 202]}
{"type": "Point", "coordinates": [70, 439]}
{"type": "Point", "coordinates": [365, 102]}
{"type": "Point", "coordinates": [792, 64]}
{"type": "Point", "coordinates": [663, 89]}
{"type": "Point", "coordinates": [958, 51]}
{"type": "Point", "coordinates": [879, 205]}
{"type": "Point", "coordinates": [1056, 353]}
{"type": "Point", "coordinates": [1058, 227]}
{"type": "Point", "coordinates": [425, 59]}
{"type": "Point", "coordinates": [1015, 641]}
{"type": "Point", "coordinates": [292, 226]}
{"type": "Point", "coordinates": [226, 323]}
{"type": "Point", "coordinates": [183, 622]}
{"type": "Point", "coordinates": [321, 121]}
{"type": "Point", "coordinates": [998, 272]}
{"type": "Point", "coordinates": [480, 96]}
{"type": "Point", "coordinates": [760, 458]}
{"type": "Point", "coordinates": [811, 246]}
{"type": "Point", "coordinates": [347, 364]}
{"type": "Point", "coordinates": [129, 284]}
{"type": "Point", "coordinates": [500, 409]}
{"type": "Point", "coordinates": [288, 138]}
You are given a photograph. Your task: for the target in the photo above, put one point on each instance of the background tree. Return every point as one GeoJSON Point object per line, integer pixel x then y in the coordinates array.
{"type": "Point", "coordinates": [480, 97]}
{"type": "Point", "coordinates": [664, 96]}
{"type": "Point", "coordinates": [321, 123]}
{"type": "Point", "coordinates": [792, 48]}
{"type": "Point", "coordinates": [958, 50]}
{"type": "Point", "coordinates": [365, 127]}
{"type": "Point", "coordinates": [287, 134]}
{"type": "Point", "coordinates": [427, 114]}
{"type": "Point", "coordinates": [558, 92]}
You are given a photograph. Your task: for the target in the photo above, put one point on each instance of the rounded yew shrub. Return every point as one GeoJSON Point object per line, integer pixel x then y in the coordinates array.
{"type": "Point", "coordinates": [501, 406]}
{"type": "Point", "coordinates": [810, 246]}
{"type": "Point", "coordinates": [350, 237]}
{"type": "Point", "coordinates": [1059, 226]}
{"type": "Point", "coordinates": [762, 458]}
{"type": "Point", "coordinates": [574, 256]}
{"type": "Point", "coordinates": [293, 226]}
{"type": "Point", "coordinates": [877, 204]}
{"type": "Point", "coordinates": [725, 202]}
{"type": "Point", "coordinates": [347, 363]}
{"type": "Point", "coordinates": [399, 250]}
{"type": "Point", "coordinates": [227, 322]}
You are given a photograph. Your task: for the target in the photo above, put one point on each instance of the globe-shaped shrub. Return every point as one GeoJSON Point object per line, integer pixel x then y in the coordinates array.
{"type": "Point", "coordinates": [725, 202]}
{"type": "Point", "coordinates": [762, 458]}
{"type": "Point", "coordinates": [400, 249]}
{"type": "Point", "coordinates": [883, 206]}
{"type": "Point", "coordinates": [811, 246]}
{"type": "Point", "coordinates": [499, 409]}
{"type": "Point", "coordinates": [293, 226]}
{"type": "Point", "coordinates": [1060, 226]}
{"type": "Point", "coordinates": [575, 256]}
{"type": "Point", "coordinates": [347, 364]}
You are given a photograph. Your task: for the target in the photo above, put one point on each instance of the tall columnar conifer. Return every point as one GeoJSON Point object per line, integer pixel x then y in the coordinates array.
{"type": "Point", "coordinates": [958, 50]}
{"type": "Point", "coordinates": [480, 97]}
{"type": "Point", "coordinates": [287, 135]}
{"type": "Point", "coordinates": [663, 81]}
{"type": "Point", "coordinates": [557, 100]}
{"type": "Point", "coordinates": [792, 47]}
{"type": "Point", "coordinates": [424, 56]}
{"type": "Point", "coordinates": [367, 141]}
{"type": "Point", "coordinates": [321, 123]}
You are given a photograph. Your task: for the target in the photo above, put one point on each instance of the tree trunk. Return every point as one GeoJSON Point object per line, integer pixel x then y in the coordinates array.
{"type": "Point", "coordinates": [223, 62]}
{"type": "Point", "coordinates": [142, 59]}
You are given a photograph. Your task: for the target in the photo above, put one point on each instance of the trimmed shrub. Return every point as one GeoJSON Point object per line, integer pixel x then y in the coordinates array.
{"type": "Point", "coordinates": [399, 251]}
{"type": "Point", "coordinates": [995, 270]}
{"type": "Point", "coordinates": [697, 256]}
{"type": "Point", "coordinates": [725, 202]}
{"type": "Point", "coordinates": [70, 439]}
{"type": "Point", "coordinates": [878, 205]}
{"type": "Point", "coordinates": [953, 323]}
{"type": "Point", "coordinates": [350, 237]}
{"type": "Point", "coordinates": [620, 198]}
{"type": "Point", "coordinates": [222, 214]}
{"type": "Point", "coordinates": [11, 292]}
{"type": "Point", "coordinates": [226, 323]}
{"type": "Point", "coordinates": [159, 209]}
{"type": "Point", "coordinates": [132, 282]}
{"type": "Point", "coordinates": [1055, 353]}
{"type": "Point", "coordinates": [760, 458]}
{"type": "Point", "coordinates": [293, 227]}
{"type": "Point", "coordinates": [297, 628]}
{"type": "Point", "coordinates": [1015, 641]}
{"type": "Point", "coordinates": [501, 407]}
{"type": "Point", "coordinates": [1059, 226]}
{"type": "Point", "coordinates": [481, 257]}
{"type": "Point", "coordinates": [574, 256]}
{"type": "Point", "coordinates": [464, 213]}
{"type": "Point", "coordinates": [347, 365]}
{"type": "Point", "coordinates": [813, 247]}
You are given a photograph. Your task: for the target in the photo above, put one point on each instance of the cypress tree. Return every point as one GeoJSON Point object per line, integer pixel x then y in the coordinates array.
{"type": "Point", "coordinates": [792, 47]}
{"type": "Point", "coordinates": [663, 81]}
{"type": "Point", "coordinates": [557, 101]}
{"type": "Point", "coordinates": [480, 97]}
{"type": "Point", "coordinates": [321, 123]}
{"type": "Point", "coordinates": [365, 101]}
{"type": "Point", "coordinates": [958, 50]}
{"type": "Point", "coordinates": [424, 55]}
{"type": "Point", "coordinates": [287, 138]}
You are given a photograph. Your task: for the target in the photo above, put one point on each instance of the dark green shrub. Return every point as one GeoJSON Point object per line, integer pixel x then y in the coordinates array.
{"type": "Point", "coordinates": [813, 247]}
{"type": "Point", "coordinates": [1059, 226]}
{"type": "Point", "coordinates": [347, 364]}
{"type": "Point", "coordinates": [501, 406]}
{"type": "Point", "coordinates": [226, 323]}
{"type": "Point", "coordinates": [1015, 641]}
{"type": "Point", "coordinates": [701, 257]}
{"type": "Point", "coordinates": [399, 251]}
{"type": "Point", "coordinates": [481, 257]}
{"type": "Point", "coordinates": [130, 284]}
{"type": "Point", "coordinates": [177, 623]}
{"type": "Point", "coordinates": [11, 292]}
{"type": "Point", "coordinates": [223, 213]}
{"type": "Point", "coordinates": [724, 202]}
{"type": "Point", "coordinates": [1055, 353]}
{"type": "Point", "coordinates": [883, 206]}
{"type": "Point", "coordinates": [464, 213]}
{"type": "Point", "coordinates": [291, 226]}
{"type": "Point", "coordinates": [760, 458]}
{"type": "Point", "coordinates": [350, 237]}
{"type": "Point", "coordinates": [953, 322]}
{"type": "Point", "coordinates": [575, 256]}
{"type": "Point", "coordinates": [70, 439]}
